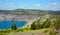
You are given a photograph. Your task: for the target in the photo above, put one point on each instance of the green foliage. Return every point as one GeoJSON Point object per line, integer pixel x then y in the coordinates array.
{"type": "Point", "coordinates": [47, 23]}
{"type": "Point", "coordinates": [57, 23]}
{"type": "Point", "coordinates": [40, 23]}
{"type": "Point", "coordinates": [33, 26]}
{"type": "Point", "coordinates": [3, 33]}
{"type": "Point", "coordinates": [14, 27]}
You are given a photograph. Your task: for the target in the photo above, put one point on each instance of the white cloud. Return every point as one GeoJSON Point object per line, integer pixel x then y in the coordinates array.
{"type": "Point", "coordinates": [12, 6]}
{"type": "Point", "coordinates": [53, 6]}
{"type": "Point", "coordinates": [54, 3]}
{"type": "Point", "coordinates": [37, 5]}
{"type": "Point", "coordinates": [23, 6]}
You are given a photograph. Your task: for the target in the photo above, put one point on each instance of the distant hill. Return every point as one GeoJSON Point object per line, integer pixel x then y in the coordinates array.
{"type": "Point", "coordinates": [54, 12]}
{"type": "Point", "coordinates": [30, 11]}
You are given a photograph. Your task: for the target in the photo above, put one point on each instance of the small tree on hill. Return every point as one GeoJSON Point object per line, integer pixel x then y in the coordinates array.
{"type": "Point", "coordinates": [57, 23]}
{"type": "Point", "coordinates": [33, 26]}
{"type": "Point", "coordinates": [14, 27]}
{"type": "Point", "coordinates": [47, 23]}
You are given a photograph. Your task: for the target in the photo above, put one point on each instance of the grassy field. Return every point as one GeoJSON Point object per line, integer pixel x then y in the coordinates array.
{"type": "Point", "coordinates": [25, 32]}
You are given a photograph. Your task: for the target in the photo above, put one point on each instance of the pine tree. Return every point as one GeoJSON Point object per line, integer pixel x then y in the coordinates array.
{"type": "Point", "coordinates": [57, 23]}
{"type": "Point", "coordinates": [14, 27]}
{"type": "Point", "coordinates": [47, 23]}
{"type": "Point", "coordinates": [33, 26]}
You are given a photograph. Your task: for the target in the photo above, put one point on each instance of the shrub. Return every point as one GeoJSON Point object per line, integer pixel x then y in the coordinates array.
{"type": "Point", "coordinates": [14, 27]}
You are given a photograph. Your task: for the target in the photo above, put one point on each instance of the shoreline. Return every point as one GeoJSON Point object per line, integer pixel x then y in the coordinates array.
{"type": "Point", "coordinates": [28, 23]}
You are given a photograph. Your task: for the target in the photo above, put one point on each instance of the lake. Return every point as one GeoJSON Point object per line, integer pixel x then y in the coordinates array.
{"type": "Point", "coordinates": [8, 24]}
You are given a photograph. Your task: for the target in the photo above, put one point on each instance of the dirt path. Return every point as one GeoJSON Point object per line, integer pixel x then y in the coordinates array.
{"type": "Point", "coordinates": [29, 33]}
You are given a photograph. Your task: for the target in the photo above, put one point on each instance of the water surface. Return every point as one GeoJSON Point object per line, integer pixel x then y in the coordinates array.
{"type": "Point", "coordinates": [8, 24]}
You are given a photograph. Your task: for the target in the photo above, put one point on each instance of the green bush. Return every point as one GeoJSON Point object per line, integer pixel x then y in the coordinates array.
{"type": "Point", "coordinates": [33, 26]}
{"type": "Point", "coordinates": [37, 25]}
{"type": "Point", "coordinates": [14, 27]}
{"type": "Point", "coordinates": [57, 23]}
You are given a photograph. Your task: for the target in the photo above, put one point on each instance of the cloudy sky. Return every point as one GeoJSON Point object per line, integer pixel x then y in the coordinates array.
{"type": "Point", "coordinates": [30, 4]}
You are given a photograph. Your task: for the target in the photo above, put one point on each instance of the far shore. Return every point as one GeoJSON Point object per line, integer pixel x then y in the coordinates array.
{"type": "Point", "coordinates": [28, 23]}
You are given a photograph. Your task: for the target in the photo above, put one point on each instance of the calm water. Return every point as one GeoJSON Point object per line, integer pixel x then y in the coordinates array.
{"type": "Point", "coordinates": [8, 24]}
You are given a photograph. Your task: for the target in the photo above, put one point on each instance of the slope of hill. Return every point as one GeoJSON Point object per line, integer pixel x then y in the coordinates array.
{"type": "Point", "coordinates": [30, 11]}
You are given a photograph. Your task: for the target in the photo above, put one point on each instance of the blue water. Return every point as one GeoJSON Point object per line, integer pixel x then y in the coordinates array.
{"type": "Point", "coordinates": [8, 24]}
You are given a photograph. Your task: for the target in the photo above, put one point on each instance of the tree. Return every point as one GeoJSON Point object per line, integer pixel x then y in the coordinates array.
{"type": "Point", "coordinates": [57, 23]}
{"type": "Point", "coordinates": [33, 26]}
{"type": "Point", "coordinates": [14, 27]}
{"type": "Point", "coordinates": [38, 25]}
{"type": "Point", "coordinates": [47, 23]}
{"type": "Point", "coordinates": [52, 29]}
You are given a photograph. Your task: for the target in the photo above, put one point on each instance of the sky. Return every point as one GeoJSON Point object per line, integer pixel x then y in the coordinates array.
{"type": "Point", "coordinates": [30, 4]}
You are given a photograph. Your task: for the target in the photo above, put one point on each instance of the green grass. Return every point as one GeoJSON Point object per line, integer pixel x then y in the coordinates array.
{"type": "Point", "coordinates": [25, 30]}
{"type": "Point", "coordinates": [40, 30]}
{"type": "Point", "coordinates": [22, 30]}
